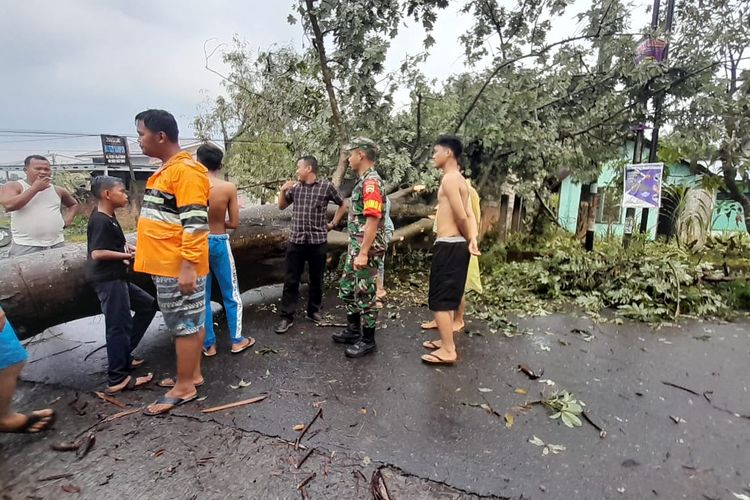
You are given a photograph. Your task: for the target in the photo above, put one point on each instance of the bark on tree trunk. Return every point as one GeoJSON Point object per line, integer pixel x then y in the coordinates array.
{"type": "Point", "coordinates": [49, 288]}
{"type": "Point", "coordinates": [319, 43]}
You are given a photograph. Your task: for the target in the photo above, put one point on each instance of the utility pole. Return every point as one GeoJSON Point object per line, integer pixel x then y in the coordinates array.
{"type": "Point", "coordinates": [659, 99]}
{"type": "Point", "coordinates": [630, 211]}
{"type": "Point", "coordinates": [591, 229]}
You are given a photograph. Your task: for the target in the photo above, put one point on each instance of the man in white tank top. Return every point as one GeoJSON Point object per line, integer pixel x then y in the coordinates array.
{"type": "Point", "coordinates": [36, 221]}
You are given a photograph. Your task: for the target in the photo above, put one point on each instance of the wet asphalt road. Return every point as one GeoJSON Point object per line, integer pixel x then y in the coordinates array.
{"type": "Point", "coordinates": [422, 427]}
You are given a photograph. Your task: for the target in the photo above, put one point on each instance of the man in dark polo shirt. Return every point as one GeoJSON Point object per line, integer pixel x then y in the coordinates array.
{"type": "Point", "coordinates": [309, 198]}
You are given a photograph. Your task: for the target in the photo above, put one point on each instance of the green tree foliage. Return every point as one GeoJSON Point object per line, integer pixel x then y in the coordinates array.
{"type": "Point", "coordinates": [711, 117]}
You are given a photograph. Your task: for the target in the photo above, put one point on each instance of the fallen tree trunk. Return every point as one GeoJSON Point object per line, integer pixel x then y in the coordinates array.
{"type": "Point", "coordinates": [49, 288]}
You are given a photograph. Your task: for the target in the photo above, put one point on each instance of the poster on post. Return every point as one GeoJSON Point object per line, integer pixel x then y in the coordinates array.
{"type": "Point", "coordinates": [642, 186]}
{"type": "Point", "coordinates": [115, 149]}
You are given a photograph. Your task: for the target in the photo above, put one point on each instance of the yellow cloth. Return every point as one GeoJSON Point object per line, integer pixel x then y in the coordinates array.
{"type": "Point", "coordinates": [473, 277]}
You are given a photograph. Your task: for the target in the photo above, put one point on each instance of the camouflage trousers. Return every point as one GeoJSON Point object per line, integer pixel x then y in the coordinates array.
{"type": "Point", "coordinates": [357, 290]}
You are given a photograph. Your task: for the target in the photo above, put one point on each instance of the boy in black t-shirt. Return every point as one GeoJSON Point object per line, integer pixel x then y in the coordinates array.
{"type": "Point", "coordinates": [106, 270]}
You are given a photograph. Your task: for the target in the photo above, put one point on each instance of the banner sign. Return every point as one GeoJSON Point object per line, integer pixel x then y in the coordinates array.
{"type": "Point", "coordinates": [650, 50]}
{"type": "Point", "coordinates": [642, 186]}
{"type": "Point", "coordinates": [115, 149]}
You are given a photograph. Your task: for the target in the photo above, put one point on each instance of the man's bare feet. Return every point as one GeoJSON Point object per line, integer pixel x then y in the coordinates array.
{"type": "Point", "coordinates": [440, 357]}
{"type": "Point", "coordinates": [431, 325]}
{"type": "Point", "coordinates": [130, 383]}
{"type": "Point", "coordinates": [170, 382]}
{"type": "Point", "coordinates": [36, 421]}
{"type": "Point", "coordinates": [167, 402]}
{"type": "Point", "coordinates": [246, 343]}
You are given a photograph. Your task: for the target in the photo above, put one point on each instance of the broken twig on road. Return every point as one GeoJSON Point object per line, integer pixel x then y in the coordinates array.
{"type": "Point", "coordinates": [307, 427]}
{"type": "Point", "coordinates": [111, 400]}
{"type": "Point", "coordinates": [236, 404]}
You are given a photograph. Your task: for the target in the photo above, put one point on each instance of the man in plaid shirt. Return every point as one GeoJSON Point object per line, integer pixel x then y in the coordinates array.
{"type": "Point", "coordinates": [309, 198]}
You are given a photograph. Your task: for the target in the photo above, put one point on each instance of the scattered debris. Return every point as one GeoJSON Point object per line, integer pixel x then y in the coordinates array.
{"type": "Point", "coordinates": [602, 432]}
{"type": "Point", "coordinates": [110, 400]}
{"type": "Point", "coordinates": [65, 446]}
{"type": "Point", "coordinates": [304, 458]}
{"type": "Point", "coordinates": [740, 496]}
{"type": "Point", "coordinates": [306, 481]}
{"type": "Point", "coordinates": [521, 392]}
{"type": "Point", "coordinates": [241, 384]}
{"type": "Point", "coordinates": [485, 389]}
{"type": "Point", "coordinates": [676, 386]}
{"type": "Point", "coordinates": [268, 350]}
{"type": "Point", "coordinates": [86, 445]}
{"type": "Point", "coordinates": [298, 427]}
{"type": "Point", "coordinates": [109, 419]}
{"type": "Point", "coordinates": [236, 404]}
{"type": "Point", "coordinates": [547, 448]}
{"type": "Point", "coordinates": [586, 335]}
{"type": "Point", "coordinates": [307, 427]}
{"type": "Point", "coordinates": [78, 406]}
{"type": "Point", "coordinates": [529, 372]}
{"type": "Point", "coordinates": [56, 477]}
{"type": "Point", "coordinates": [375, 486]}
{"type": "Point", "coordinates": [678, 420]}
{"type": "Point", "coordinates": [508, 420]}
{"type": "Point", "coordinates": [630, 463]}
{"type": "Point", "coordinates": [70, 488]}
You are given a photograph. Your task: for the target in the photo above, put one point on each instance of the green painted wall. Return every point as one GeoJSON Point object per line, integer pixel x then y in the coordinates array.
{"type": "Point", "coordinates": [727, 216]}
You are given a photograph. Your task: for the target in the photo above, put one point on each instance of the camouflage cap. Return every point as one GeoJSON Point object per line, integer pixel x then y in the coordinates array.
{"type": "Point", "coordinates": [362, 143]}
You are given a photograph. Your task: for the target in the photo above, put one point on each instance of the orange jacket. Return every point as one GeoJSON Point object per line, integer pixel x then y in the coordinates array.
{"type": "Point", "coordinates": [173, 225]}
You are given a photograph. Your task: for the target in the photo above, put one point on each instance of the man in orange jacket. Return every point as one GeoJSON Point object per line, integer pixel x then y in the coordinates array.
{"type": "Point", "coordinates": [173, 249]}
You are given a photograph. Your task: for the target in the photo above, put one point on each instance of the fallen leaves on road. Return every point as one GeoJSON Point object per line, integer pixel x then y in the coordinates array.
{"type": "Point", "coordinates": [298, 427]}
{"type": "Point", "coordinates": [508, 420]}
{"type": "Point", "coordinates": [529, 372]}
{"type": "Point", "coordinates": [547, 448]}
{"type": "Point", "coordinates": [241, 384]}
{"type": "Point", "coordinates": [521, 391]}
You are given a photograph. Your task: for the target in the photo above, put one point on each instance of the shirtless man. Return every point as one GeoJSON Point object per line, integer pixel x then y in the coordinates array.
{"type": "Point", "coordinates": [456, 242]}
{"type": "Point", "coordinates": [222, 202]}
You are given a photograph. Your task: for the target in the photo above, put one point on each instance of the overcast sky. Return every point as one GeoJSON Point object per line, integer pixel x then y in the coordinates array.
{"type": "Point", "coordinates": [88, 66]}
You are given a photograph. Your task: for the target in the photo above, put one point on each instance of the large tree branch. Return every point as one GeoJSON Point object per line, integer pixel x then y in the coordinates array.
{"type": "Point", "coordinates": [514, 60]}
{"type": "Point", "coordinates": [319, 44]}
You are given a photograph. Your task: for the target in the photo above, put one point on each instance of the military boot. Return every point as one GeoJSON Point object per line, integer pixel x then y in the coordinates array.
{"type": "Point", "coordinates": [364, 346]}
{"type": "Point", "coordinates": [352, 333]}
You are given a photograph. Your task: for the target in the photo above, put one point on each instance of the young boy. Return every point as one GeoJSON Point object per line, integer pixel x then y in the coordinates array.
{"type": "Point", "coordinates": [106, 270]}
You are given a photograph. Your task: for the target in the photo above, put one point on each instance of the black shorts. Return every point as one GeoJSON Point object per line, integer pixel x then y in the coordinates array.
{"type": "Point", "coordinates": [450, 263]}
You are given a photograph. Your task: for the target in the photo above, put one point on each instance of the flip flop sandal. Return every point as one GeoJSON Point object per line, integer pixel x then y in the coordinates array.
{"type": "Point", "coordinates": [430, 344]}
{"type": "Point", "coordinates": [246, 346]}
{"type": "Point", "coordinates": [169, 382]}
{"type": "Point", "coordinates": [137, 362]}
{"type": "Point", "coordinates": [166, 400]}
{"type": "Point", "coordinates": [440, 361]}
{"type": "Point", "coordinates": [423, 327]}
{"type": "Point", "coordinates": [131, 385]}
{"type": "Point", "coordinates": [33, 419]}
{"type": "Point", "coordinates": [209, 355]}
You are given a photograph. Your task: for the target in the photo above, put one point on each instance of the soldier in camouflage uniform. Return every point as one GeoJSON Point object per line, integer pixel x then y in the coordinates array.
{"type": "Point", "coordinates": [367, 247]}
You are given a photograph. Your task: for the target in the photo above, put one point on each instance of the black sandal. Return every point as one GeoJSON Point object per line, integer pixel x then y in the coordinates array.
{"type": "Point", "coordinates": [31, 420]}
